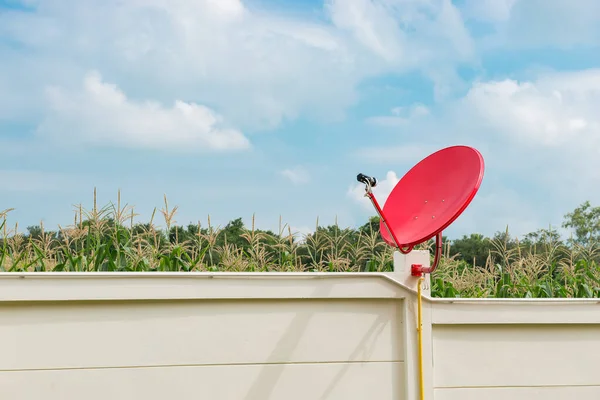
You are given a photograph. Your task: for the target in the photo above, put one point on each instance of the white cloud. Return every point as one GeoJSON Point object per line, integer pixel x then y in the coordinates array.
{"type": "Point", "coordinates": [372, 25]}
{"type": "Point", "coordinates": [258, 68]}
{"type": "Point", "coordinates": [297, 175]}
{"type": "Point", "coordinates": [488, 10]}
{"type": "Point", "coordinates": [405, 33]}
{"type": "Point", "coordinates": [558, 109]}
{"type": "Point", "coordinates": [381, 191]}
{"type": "Point", "coordinates": [400, 116]}
{"type": "Point", "coordinates": [534, 23]}
{"type": "Point", "coordinates": [543, 133]}
{"type": "Point", "coordinates": [102, 114]}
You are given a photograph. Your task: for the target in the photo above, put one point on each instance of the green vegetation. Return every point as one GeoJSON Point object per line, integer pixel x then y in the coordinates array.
{"type": "Point", "coordinates": [107, 239]}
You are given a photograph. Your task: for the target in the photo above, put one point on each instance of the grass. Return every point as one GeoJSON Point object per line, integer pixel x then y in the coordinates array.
{"type": "Point", "coordinates": [107, 239]}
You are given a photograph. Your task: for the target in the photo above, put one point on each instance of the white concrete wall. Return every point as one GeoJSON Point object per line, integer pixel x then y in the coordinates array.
{"type": "Point", "coordinates": [176, 336]}
{"type": "Point", "coordinates": [284, 336]}
{"type": "Point", "coordinates": [518, 350]}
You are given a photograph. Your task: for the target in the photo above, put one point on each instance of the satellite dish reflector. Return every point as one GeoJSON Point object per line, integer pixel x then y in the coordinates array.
{"type": "Point", "coordinates": [428, 198]}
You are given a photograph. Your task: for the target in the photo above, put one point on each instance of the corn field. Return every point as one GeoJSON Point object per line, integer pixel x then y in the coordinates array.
{"type": "Point", "coordinates": [107, 239]}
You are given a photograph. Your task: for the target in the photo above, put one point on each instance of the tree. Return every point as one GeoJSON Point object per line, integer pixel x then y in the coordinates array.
{"type": "Point", "coordinates": [541, 237]}
{"type": "Point", "coordinates": [474, 248]}
{"type": "Point", "coordinates": [232, 234]}
{"type": "Point", "coordinates": [585, 221]}
{"type": "Point", "coordinates": [34, 232]}
{"type": "Point", "coordinates": [371, 226]}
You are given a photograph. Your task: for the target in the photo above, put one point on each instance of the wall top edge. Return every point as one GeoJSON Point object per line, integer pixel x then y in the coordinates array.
{"type": "Point", "coordinates": [377, 285]}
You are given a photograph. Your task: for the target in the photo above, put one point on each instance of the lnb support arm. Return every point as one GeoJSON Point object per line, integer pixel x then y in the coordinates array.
{"type": "Point", "coordinates": [370, 183]}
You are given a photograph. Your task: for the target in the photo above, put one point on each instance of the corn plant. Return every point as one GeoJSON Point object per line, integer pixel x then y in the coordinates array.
{"type": "Point", "coordinates": [107, 239]}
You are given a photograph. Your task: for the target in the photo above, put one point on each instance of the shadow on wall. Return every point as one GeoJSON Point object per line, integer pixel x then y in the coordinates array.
{"type": "Point", "coordinates": [270, 374]}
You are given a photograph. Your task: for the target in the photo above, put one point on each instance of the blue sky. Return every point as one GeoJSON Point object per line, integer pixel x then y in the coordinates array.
{"type": "Point", "coordinates": [272, 107]}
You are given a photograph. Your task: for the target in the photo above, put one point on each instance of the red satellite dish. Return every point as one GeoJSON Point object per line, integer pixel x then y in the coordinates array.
{"type": "Point", "coordinates": [428, 198]}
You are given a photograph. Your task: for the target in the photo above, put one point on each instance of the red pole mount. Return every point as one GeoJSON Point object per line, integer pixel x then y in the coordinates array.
{"type": "Point", "coordinates": [418, 270]}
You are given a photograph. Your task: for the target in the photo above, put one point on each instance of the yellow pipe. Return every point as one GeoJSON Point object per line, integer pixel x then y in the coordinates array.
{"type": "Point", "coordinates": [420, 336]}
